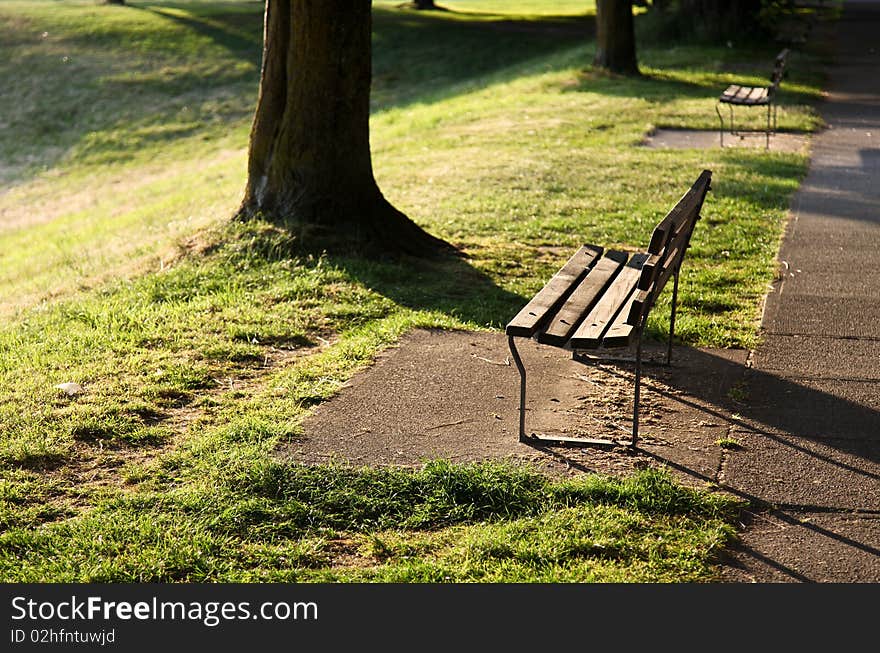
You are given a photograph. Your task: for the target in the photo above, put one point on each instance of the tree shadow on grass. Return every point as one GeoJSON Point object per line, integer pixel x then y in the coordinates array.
{"type": "Point", "coordinates": [445, 281]}
{"type": "Point", "coordinates": [416, 58]}
{"type": "Point", "coordinates": [430, 56]}
{"type": "Point", "coordinates": [447, 284]}
{"type": "Point", "coordinates": [238, 32]}
{"type": "Point", "coordinates": [116, 83]}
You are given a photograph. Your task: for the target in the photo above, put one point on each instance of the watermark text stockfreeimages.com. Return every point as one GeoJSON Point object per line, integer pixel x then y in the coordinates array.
{"type": "Point", "coordinates": [208, 613]}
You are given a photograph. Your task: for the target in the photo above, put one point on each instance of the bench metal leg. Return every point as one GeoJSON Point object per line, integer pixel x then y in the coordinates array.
{"type": "Point", "coordinates": [721, 120]}
{"type": "Point", "coordinates": [767, 146]}
{"type": "Point", "coordinates": [562, 440]}
{"type": "Point", "coordinates": [635, 431]}
{"type": "Point", "coordinates": [672, 316]}
{"type": "Point", "coordinates": [522, 387]}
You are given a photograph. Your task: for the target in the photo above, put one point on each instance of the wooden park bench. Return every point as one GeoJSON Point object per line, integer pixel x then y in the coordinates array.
{"type": "Point", "coordinates": [753, 96]}
{"type": "Point", "coordinates": [601, 300]}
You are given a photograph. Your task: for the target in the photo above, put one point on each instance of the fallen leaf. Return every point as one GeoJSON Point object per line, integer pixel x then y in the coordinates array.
{"type": "Point", "coordinates": [70, 388]}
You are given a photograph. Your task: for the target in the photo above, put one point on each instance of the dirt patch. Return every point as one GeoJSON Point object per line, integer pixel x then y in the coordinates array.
{"type": "Point", "coordinates": [701, 139]}
{"type": "Point", "coordinates": [455, 396]}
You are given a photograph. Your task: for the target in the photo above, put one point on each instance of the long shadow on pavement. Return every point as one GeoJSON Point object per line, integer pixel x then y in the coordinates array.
{"type": "Point", "coordinates": [804, 454]}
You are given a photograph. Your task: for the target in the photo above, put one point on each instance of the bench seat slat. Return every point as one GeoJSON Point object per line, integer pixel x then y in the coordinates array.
{"type": "Point", "coordinates": [621, 332]}
{"type": "Point", "coordinates": [566, 320]}
{"type": "Point", "coordinates": [730, 92]}
{"type": "Point", "coordinates": [743, 93]}
{"type": "Point", "coordinates": [746, 95]}
{"type": "Point", "coordinates": [758, 93]}
{"type": "Point", "coordinates": [535, 314]}
{"type": "Point", "coordinates": [589, 334]}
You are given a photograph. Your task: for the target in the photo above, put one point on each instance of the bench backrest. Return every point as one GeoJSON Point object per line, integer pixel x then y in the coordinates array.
{"type": "Point", "coordinates": [669, 241]}
{"type": "Point", "coordinates": [778, 70]}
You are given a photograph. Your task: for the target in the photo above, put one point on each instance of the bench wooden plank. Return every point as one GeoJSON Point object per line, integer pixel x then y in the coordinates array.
{"type": "Point", "coordinates": [748, 96]}
{"type": "Point", "coordinates": [673, 249]}
{"type": "Point", "coordinates": [534, 314]}
{"type": "Point", "coordinates": [589, 334]}
{"type": "Point", "coordinates": [664, 231]}
{"type": "Point", "coordinates": [757, 95]}
{"type": "Point", "coordinates": [742, 94]}
{"type": "Point", "coordinates": [621, 332]}
{"type": "Point", "coordinates": [730, 92]}
{"type": "Point", "coordinates": [643, 300]}
{"type": "Point", "coordinates": [652, 267]}
{"type": "Point", "coordinates": [568, 317]}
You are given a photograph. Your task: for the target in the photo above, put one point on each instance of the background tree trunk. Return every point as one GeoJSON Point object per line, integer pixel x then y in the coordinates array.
{"type": "Point", "coordinates": [425, 4]}
{"type": "Point", "coordinates": [615, 37]}
{"type": "Point", "coordinates": [309, 164]}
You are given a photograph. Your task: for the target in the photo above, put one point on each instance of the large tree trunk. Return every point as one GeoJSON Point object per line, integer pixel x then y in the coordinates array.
{"type": "Point", "coordinates": [309, 165]}
{"type": "Point", "coordinates": [615, 37]}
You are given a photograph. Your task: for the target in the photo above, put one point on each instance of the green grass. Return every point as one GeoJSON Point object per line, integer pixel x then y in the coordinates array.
{"type": "Point", "coordinates": [443, 523]}
{"type": "Point", "coordinates": [201, 344]}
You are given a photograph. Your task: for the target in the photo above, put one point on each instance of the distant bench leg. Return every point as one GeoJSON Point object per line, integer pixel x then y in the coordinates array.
{"type": "Point", "coordinates": [721, 120]}
{"type": "Point", "coordinates": [522, 387]}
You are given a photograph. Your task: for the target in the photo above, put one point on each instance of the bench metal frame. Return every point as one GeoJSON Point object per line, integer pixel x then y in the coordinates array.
{"type": "Point", "coordinates": [676, 228]}
{"type": "Point", "coordinates": [769, 100]}
{"type": "Point", "coordinates": [564, 440]}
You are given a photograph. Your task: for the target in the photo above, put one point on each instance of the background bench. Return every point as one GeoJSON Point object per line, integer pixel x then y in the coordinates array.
{"type": "Point", "coordinates": [754, 96]}
{"type": "Point", "coordinates": [602, 300]}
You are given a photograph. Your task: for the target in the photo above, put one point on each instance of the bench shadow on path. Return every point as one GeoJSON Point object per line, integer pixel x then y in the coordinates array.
{"type": "Point", "coordinates": [771, 407]}
{"type": "Point", "coordinates": [823, 436]}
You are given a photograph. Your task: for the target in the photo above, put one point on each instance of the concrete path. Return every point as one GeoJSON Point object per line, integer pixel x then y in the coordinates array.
{"type": "Point", "coordinates": [812, 443]}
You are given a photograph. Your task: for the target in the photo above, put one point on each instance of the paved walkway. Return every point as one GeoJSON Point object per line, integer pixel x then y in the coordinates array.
{"type": "Point", "coordinates": [813, 440]}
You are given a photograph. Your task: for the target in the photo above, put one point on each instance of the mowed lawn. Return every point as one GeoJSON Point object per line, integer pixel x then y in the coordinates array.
{"type": "Point", "coordinates": [198, 344]}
